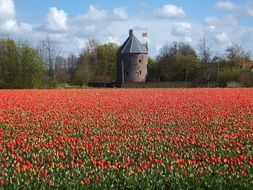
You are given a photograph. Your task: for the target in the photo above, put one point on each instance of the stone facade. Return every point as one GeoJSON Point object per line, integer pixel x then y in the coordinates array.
{"type": "Point", "coordinates": [134, 67]}
{"type": "Point", "coordinates": [132, 61]}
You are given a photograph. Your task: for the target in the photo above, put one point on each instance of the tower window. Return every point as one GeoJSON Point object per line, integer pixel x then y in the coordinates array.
{"type": "Point", "coordinates": [140, 72]}
{"type": "Point", "coordinates": [139, 60]}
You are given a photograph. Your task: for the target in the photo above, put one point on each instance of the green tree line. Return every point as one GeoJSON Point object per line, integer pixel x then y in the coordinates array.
{"type": "Point", "coordinates": [21, 65]}
{"type": "Point", "coordinates": [25, 66]}
{"type": "Point", "coordinates": [179, 61]}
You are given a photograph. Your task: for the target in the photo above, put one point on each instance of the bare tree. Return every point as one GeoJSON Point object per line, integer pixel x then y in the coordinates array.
{"type": "Point", "coordinates": [235, 54]}
{"type": "Point", "coordinates": [87, 62]}
{"type": "Point", "coordinates": [90, 51]}
{"type": "Point", "coordinates": [84, 72]}
{"type": "Point", "coordinates": [61, 70]}
{"type": "Point", "coordinates": [72, 61]}
{"type": "Point", "coordinates": [49, 50]}
{"type": "Point", "coordinates": [205, 56]}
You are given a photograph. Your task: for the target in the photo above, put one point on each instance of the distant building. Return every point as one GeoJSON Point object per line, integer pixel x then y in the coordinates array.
{"type": "Point", "coordinates": [246, 64]}
{"type": "Point", "coordinates": [132, 60]}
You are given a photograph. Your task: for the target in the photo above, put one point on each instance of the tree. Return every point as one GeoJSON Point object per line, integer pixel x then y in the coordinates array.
{"type": "Point", "coordinates": [99, 60]}
{"type": "Point", "coordinates": [84, 71]}
{"type": "Point", "coordinates": [205, 56]}
{"type": "Point", "coordinates": [189, 67]}
{"type": "Point", "coordinates": [20, 65]}
{"type": "Point", "coordinates": [107, 61]}
{"type": "Point", "coordinates": [228, 75]}
{"type": "Point", "coordinates": [8, 63]}
{"type": "Point", "coordinates": [164, 61]}
{"type": "Point", "coordinates": [246, 78]}
{"type": "Point", "coordinates": [235, 54]}
{"type": "Point", "coordinates": [2, 48]}
{"type": "Point", "coordinates": [72, 66]}
{"type": "Point", "coordinates": [90, 51]}
{"type": "Point", "coordinates": [61, 70]}
{"type": "Point", "coordinates": [49, 50]}
{"type": "Point", "coordinates": [153, 74]}
{"type": "Point", "coordinates": [168, 67]}
{"type": "Point", "coordinates": [86, 63]}
{"type": "Point", "coordinates": [218, 63]}
{"type": "Point", "coordinates": [31, 67]}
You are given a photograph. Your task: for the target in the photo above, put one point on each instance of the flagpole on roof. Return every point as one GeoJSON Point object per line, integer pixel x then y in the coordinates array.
{"type": "Point", "coordinates": [145, 35]}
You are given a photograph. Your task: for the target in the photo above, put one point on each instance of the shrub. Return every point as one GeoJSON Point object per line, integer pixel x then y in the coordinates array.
{"type": "Point", "coordinates": [246, 78]}
{"type": "Point", "coordinates": [228, 75]}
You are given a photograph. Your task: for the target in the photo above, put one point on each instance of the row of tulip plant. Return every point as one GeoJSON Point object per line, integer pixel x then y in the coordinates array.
{"type": "Point", "coordinates": [126, 139]}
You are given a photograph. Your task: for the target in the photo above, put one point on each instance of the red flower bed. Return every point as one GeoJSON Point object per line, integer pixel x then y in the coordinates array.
{"type": "Point", "coordinates": [131, 139]}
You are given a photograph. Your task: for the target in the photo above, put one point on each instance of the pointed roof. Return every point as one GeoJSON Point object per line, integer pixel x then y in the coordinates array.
{"type": "Point", "coordinates": [132, 45]}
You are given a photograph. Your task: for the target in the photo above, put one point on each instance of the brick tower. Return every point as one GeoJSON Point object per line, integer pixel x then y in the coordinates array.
{"type": "Point", "coordinates": [132, 60]}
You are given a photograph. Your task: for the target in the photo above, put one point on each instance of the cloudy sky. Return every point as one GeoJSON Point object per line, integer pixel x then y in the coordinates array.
{"type": "Point", "coordinates": [71, 23]}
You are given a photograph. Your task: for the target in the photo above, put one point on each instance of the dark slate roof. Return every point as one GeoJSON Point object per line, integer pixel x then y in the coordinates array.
{"type": "Point", "coordinates": [133, 45]}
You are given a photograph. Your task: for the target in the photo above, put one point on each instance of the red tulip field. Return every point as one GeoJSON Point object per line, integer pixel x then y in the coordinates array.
{"type": "Point", "coordinates": [126, 139]}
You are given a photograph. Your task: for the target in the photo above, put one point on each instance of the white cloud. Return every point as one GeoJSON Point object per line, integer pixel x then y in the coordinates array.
{"type": "Point", "coordinates": [227, 20]}
{"type": "Point", "coordinates": [92, 23]}
{"type": "Point", "coordinates": [92, 19]}
{"type": "Point", "coordinates": [181, 29]}
{"type": "Point", "coordinates": [95, 14]}
{"type": "Point", "coordinates": [24, 27]}
{"type": "Point", "coordinates": [156, 38]}
{"type": "Point", "coordinates": [120, 13]}
{"type": "Point", "coordinates": [230, 20]}
{"type": "Point", "coordinates": [169, 11]}
{"type": "Point", "coordinates": [9, 25]}
{"type": "Point", "coordinates": [211, 28]}
{"type": "Point", "coordinates": [188, 39]}
{"type": "Point", "coordinates": [7, 16]}
{"type": "Point", "coordinates": [113, 39]}
{"type": "Point", "coordinates": [81, 42]}
{"type": "Point", "coordinates": [56, 19]}
{"type": "Point", "coordinates": [249, 10]}
{"type": "Point", "coordinates": [225, 6]}
{"type": "Point", "coordinates": [90, 28]}
{"type": "Point", "coordinates": [7, 9]}
{"type": "Point", "coordinates": [212, 21]}
{"type": "Point", "coordinates": [222, 37]}
{"type": "Point", "coordinates": [113, 25]}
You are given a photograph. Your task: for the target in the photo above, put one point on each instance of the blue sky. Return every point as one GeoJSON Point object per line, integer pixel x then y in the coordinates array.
{"type": "Point", "coordinates": [72, 23]}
